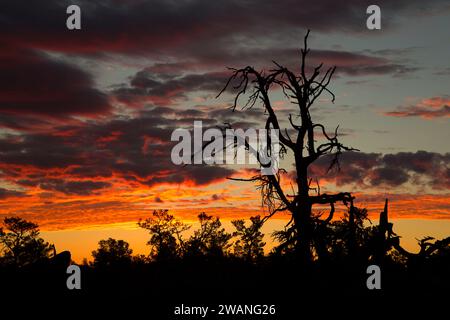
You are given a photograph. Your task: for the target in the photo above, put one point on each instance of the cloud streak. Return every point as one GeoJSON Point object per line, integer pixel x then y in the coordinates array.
{"type": "Point", "coordinates": [372, 170]}
{"type": "Point", "coordinates": [431, 108]}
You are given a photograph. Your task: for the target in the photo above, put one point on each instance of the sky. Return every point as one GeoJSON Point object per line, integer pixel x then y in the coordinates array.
{"type": "Point", "coordinates": [86, 115]}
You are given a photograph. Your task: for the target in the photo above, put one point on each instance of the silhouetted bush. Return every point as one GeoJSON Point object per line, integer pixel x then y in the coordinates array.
{"type": "Point", "coordinates": [112, 253]}
{"type": "Point", "coordinates": [165, 231]}
{"type": "Point", "coordinates": [210, 240]}
{"type": "Point", "coordinates": [21, 244]}
{"type": "Point", "coordinates": [249, 244]}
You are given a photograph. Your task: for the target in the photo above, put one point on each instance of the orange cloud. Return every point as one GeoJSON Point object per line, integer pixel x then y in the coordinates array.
{"type": "Point", "coordinates": [435, 107]}
{"type": "Point", "coordinates": [122, 203]}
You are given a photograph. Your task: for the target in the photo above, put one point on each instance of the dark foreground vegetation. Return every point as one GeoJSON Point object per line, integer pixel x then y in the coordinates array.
{"type": "Point", "coordinates": [212, 266]}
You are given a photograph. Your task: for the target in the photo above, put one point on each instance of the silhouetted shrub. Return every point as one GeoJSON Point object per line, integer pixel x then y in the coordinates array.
{"type": "Point", "coordinates": [166, 241]}
{"type": "Point", "coordinates": [209, 240]}
{"type": "Point", "coordinates": [21, 244]}
{"type": "Point", "coordinates": [249, 244]}
{"type": "Point", "coordinates": [112, 253]}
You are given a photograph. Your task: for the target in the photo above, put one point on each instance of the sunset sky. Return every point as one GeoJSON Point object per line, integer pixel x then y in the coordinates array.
{"type": "Point", "coordinates": [86, 115]}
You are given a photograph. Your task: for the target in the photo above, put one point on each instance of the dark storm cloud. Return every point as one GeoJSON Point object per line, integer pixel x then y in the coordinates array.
{"type": "Point", "coordinates": [24, 122]}
{"type": "Point", "coordinates": [40, 150]}
{"type": "Point", "coordinates": [165, 89]}
{"type": "Point", "coordinates": [195, 174]}
{"type": "Point", "coordinates": [393, 170]}
{"type": "Point", "coordinates": [136, 149]}
{"type": "Point", "coordinates": [136, 26]}
{"type": "Point", "coordinates": [5, 193]}
{"type": "Point", "coordinates": [81, 188]}
{"type": "Point", "coordinates": [35, 83]}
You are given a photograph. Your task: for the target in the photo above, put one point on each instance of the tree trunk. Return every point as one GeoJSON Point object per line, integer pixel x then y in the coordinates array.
{"type": "Point", "coordinates": [304, 229]}
{"type": "Point", "coordinates": [302, 217]}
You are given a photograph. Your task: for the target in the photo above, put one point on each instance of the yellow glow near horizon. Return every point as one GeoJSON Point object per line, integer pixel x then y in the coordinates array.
{"type": "Point", "coordinates": [81, 242]}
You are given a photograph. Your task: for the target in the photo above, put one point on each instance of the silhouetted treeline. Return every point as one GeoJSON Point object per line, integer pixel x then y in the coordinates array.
{"type": "Point", "coordinates": [352, 240]}
{"type": "Point", "coordinates": [210, 264]}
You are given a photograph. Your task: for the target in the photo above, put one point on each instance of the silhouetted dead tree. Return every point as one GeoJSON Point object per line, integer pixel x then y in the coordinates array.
{"type": "Point", "coordinates": [301, 89]}
{"type": "Point", "coordinates": [386, 239]}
